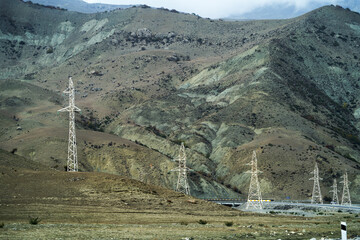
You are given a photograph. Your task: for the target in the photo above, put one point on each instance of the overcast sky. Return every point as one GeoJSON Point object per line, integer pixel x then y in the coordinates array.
{"type": "Point", "coordinates": [228, 8]}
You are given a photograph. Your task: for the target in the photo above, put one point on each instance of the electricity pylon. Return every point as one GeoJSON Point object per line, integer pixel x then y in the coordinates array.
{"type": "Point", "coordinates": [72, 161]}
{"type": "Point", "coordinates": [254, 196]}
{"type": "Point", "coordinates": [345, 200]}
{"type": "Point", "coordinates": [182, 183]}
{"type": "Point", "coordinates": [316, 195]}
{"type": "Point", "coordinates": [334, 190]}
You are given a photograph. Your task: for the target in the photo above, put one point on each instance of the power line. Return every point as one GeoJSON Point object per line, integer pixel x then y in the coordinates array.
{"type": "Point", "coordinates": [254, 196]}
{"type": "Point", "coordinates": [72, 161]}
{"type": "Point", "coordinates": [316, 195]}
{"type": "Point", "coordinates": [182, 182]}
{"type": "Point", "coordinates": [345, 200]}
{"type": "Point", "coordinates": [334, 190]}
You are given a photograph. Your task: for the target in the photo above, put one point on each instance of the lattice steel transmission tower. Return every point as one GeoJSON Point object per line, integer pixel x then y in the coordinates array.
{"type": "Point", "coordinates": [334, 190]}
{"type": "Point", "coordinates": [345, 200]}
{"type": "Point", "coordinates": [316, 195]}
{"type": "Point", "coordinates": [254, 196]}
{"type": "Point", "coordinates": [72, 161]}
{"type": "Point", "coordinates": [182, 183]}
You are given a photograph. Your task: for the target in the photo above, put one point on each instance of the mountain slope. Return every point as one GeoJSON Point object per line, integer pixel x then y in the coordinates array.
{"type": "Point", "coordinates": [27, 188]}
{"type": "Point", "coordinates": [153, 78]}
{"type": "Point", "coordinates": [265, 99]}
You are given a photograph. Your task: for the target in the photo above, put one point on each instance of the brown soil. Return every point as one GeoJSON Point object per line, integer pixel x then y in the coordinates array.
{"type": "Point", "coordinates": [98, 205]}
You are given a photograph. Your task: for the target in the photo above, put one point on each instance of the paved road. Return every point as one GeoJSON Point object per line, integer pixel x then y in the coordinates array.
{"type": "Point", "coordinates": [352, 207]}
{"type": "Point", "coordinates": [238, 202]}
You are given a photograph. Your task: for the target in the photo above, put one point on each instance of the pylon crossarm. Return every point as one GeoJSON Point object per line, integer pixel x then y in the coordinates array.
{"type": "Point", "coordinates": [348, 182]}
{"type": "Point", "coordinates": [182, 169]}
{"type": "Point", "coordinates": [65, 109]}
{"type": "Point", "coordinates": [176, 160]}
{"type": "Point", "coordinates": [312, 178]}
{"type": "Point", "coordinates": [69, 109]}
{"type": "Point", "coordinates": [257, 171]}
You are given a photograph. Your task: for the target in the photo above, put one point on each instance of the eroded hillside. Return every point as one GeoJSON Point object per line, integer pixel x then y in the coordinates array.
{"type": "Point", "coordinates": [152, 78]}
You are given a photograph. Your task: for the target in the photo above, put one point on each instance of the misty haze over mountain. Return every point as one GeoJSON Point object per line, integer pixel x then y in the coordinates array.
{"type": "Point", "coordinates": [79, 5]}
{"type": "Point", "coordinates": [267, 11]}
{"type": "Point", "coordinates": [283, 11]}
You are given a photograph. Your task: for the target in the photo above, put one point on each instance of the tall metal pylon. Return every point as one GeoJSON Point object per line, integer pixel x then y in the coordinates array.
{"type": "Point", "coordinates": [182, 182]}
{"type": "Point", "coordinates": [334, 190]}
{"type": "Point", "coordinates": [316, 195]}
{"type": "Point", "coordinates": [345, 200]}
{"type": "Point", "coordinates": [72, 161]}
{"type": "Point", "coordinates": [254, 196]}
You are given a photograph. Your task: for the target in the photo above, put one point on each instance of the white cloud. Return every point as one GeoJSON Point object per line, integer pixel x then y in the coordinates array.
{"type": "Point", "coordinates": [220, 9]}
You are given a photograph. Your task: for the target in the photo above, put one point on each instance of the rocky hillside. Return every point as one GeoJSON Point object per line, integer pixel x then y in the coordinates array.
{"type": "Point", "coordinates": [29, 188]}
{"type": "Point", "coordinates": [148, 79]}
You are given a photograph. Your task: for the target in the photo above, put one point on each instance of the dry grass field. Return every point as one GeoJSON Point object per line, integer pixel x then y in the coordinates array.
{"type": "Point", "coordinates": [104, 206]}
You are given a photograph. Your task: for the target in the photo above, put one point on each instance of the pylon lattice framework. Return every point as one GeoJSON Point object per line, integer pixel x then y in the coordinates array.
{"type": "Point", "coordinates": [334, 190]}
{"type": "Point", "coordinates": [316, 194]}
{"type": "Point", "coordinates": [254, 196]}
{"type": "Point", "coordinates": [72, 161]}
{"type": "Point", "coordinates": [345, 200]}
{"type": "Point", "coordinates": [182, 182]}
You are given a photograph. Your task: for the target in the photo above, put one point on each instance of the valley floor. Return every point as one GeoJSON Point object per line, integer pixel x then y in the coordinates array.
{"type": "Point", "coordinates": [90, 205]}
{"type": "Point", "coordinates": [114, 223]}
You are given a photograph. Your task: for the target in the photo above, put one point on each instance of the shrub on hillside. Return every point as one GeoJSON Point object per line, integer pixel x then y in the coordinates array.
{"type": "Point", "coordinates": [50, 50]}
{"type": "Point", "coordinates": [34, 220]}
{"type": "Point", "coordinates": [203, 222]}
{"type": "Point", "coordinates": [229, 224]}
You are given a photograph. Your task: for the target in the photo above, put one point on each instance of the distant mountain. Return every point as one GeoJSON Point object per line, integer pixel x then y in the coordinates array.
{"type": "Point", "coordinates": [282, 11]}
{"type": "Point", "coordinates": [354, 5]}
{"type": "Point", "coordinates": [279, 11]}
{"type": "Point", "coordinates": [79, 5]}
